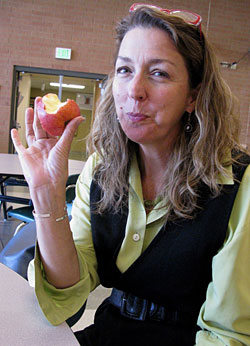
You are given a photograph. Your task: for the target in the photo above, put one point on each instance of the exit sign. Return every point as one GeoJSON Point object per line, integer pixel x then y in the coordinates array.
{"type": "Point", "coordinates": [63, 53]}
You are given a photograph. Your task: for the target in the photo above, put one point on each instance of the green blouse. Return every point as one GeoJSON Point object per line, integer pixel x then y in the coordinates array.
{"type": "Point", "coordinates": [224, 316]}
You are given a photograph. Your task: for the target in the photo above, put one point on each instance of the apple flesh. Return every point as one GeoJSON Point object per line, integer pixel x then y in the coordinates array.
{"type": "Point", "coordinates": [54, 115]}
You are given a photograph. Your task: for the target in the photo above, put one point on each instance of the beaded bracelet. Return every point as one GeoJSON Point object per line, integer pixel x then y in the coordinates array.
{"type": "Point", "coordinates": [44, 216]}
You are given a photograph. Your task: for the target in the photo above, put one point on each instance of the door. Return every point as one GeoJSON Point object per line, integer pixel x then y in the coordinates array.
{"type": "Point", "coordinates": [83, 88]}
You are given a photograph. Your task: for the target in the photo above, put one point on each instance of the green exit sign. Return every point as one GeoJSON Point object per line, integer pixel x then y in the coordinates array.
{"type": "Point", "coordinates": [63, 53]}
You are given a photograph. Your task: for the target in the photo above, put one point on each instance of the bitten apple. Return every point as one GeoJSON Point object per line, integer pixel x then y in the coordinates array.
{"type": "Point", "coordinates": [54, 115]}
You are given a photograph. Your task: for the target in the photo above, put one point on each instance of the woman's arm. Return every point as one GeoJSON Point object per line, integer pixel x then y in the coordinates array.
{"type": "Point", "coordinates": [225, 315]}
{"type": "Point", "coordinates": [60, 304]}
{"type": "Point", "coordinates": [45, 166]}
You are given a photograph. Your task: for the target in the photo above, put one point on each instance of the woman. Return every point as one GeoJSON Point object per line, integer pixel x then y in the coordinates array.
{"type": "Point", "coordinates": [157, 215]}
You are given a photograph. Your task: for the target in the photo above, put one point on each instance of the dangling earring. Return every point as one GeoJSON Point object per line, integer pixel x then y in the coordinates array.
{"type": "Point", "coordinates": [188, 127]}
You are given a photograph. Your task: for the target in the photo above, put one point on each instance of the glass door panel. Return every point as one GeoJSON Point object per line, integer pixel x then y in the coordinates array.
{"type": "Point", "coordinates": [85, 91]}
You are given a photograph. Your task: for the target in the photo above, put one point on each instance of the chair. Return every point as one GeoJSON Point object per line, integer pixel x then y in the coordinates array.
{"type": "Point", "coordinates": [17, 181]}
{"type": "Point", "coordinates": [70, 191]}
{"type": "Point", "coordinates": [25, 213]}
{"type": "Point", "coordinates": [20, 250]}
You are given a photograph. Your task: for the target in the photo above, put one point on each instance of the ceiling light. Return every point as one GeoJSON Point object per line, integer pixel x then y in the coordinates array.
{"type": "Point", "coordinates": [71, 86]}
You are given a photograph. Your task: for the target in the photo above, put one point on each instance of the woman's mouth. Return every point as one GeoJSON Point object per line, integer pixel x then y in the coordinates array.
{"type": "Point", "coordinates": [136, 117]}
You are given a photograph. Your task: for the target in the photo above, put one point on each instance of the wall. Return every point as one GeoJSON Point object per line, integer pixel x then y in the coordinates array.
{"type": "Point", "coordinates": [31, 29]}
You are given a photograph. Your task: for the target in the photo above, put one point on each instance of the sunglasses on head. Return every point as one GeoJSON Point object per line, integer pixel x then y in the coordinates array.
{"type": "Point", "coordinates": [189, 17]}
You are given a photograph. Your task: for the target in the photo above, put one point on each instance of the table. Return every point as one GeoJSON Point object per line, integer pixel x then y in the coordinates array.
{"type": "Point", "coordinates": [10, 168]}
{"type": "Point", "coordinates": [22, 322]}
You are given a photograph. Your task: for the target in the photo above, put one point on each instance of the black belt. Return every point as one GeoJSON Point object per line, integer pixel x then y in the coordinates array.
{"type": "Point", "coordinates": [142, 309]}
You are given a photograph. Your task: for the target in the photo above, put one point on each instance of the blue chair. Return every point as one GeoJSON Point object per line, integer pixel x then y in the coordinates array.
{"type": "Point", "coordinates": [23, 214]}
{"type": "Point", "coordinates": [20, 250]}
{"type": "Point", "coordinates": [70, 191]}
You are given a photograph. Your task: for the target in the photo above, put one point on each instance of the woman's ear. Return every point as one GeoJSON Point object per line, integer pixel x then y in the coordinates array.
{"type": "Point", "coordinates": [192, 100]}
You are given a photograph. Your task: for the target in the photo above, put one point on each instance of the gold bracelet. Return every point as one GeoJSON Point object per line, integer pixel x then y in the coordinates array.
{"type": "Point", "coordinates": [42, 216]}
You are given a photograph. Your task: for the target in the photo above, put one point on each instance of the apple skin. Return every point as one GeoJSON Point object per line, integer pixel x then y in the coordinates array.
{"type": "Point", "coordinates": [54, 123]}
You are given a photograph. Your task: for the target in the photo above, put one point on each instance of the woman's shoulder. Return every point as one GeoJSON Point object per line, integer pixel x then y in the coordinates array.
{"type": "Point", "coordinates": [241, 166]}
{"type": "Point", "coordinates": [94, 159]}
{"type": "Point", "coordinates": [89, 167]}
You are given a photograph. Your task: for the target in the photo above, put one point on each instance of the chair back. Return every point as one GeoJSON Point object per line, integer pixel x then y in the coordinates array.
{"type": "Point", "coordinates": [70, 187]}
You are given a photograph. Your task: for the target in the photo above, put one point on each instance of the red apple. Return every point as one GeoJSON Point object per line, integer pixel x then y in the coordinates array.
{"type": "Point", "coordinates": [54, 115]}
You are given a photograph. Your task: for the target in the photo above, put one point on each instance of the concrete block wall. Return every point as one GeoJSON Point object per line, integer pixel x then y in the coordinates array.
{"type": "Point", "coordinates": [31, 30]}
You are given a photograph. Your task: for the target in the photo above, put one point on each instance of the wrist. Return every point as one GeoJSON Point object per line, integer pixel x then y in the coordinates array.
{"type": "Point", "coordinates": [63, 216]}
{"type": "Point", "coordinates": [48, 199]}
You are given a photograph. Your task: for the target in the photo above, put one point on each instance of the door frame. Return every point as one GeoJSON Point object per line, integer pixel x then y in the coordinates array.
{"type": "Point", "coordinates": [27, 69]}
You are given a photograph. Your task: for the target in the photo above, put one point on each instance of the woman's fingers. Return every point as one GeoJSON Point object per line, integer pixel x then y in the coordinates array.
{"type": "Point", "coordinates": [17, 141]}
{"type": "Point", "coordinates": [38, 130]}
{"type": "Point", "coordinates": [29, 118]}
{"type": "Point", "coordinates": [30, 137]}
{"type": "Point", "coordinates": [34, 132]}
{"type": "Point", "coordinates": [40, 133]}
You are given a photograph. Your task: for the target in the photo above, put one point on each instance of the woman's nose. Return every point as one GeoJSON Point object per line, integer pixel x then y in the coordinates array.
{"type": "Point", "coordinates": [137, 88]}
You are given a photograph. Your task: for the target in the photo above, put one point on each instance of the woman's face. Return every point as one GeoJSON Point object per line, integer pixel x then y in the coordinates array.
{"type": "Point", "coordinates": [150, 88]}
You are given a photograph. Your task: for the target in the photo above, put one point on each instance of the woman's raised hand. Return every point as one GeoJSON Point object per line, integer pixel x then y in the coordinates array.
{"type": "Point", "coordinates": [45, 161]}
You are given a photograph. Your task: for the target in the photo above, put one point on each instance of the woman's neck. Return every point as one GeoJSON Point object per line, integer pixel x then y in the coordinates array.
{"type": "Point", "coordinates": [152, 162]}
{"type": "Point", "coordinates": [152, 165]}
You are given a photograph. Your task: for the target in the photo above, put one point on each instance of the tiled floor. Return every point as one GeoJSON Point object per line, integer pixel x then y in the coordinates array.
{"type": "Point", "coordinates": [7, 229]}
{"type": "Point", "coordinates": [94, 300]}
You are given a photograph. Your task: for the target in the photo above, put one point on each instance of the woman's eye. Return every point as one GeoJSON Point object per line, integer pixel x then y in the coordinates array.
{"type": "Point", "coordinates": [122, 70]}
{"type": "Point", "coordinates": [158, 73]}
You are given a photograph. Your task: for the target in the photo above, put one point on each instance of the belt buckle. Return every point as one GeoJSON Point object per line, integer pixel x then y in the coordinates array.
{"type": "Point", "coordinates": [133, 307]}
{"type": "Point", "coordinates": [156, 312]}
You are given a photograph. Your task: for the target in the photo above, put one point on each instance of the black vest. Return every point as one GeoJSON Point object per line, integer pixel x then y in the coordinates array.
{"type": "Point", "coordinates": [176, 268]}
